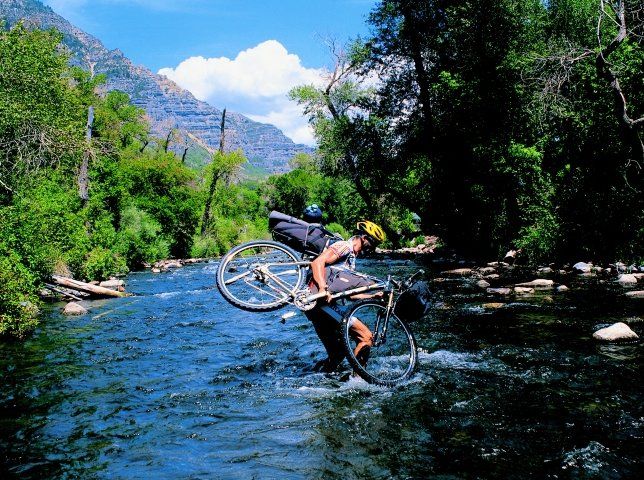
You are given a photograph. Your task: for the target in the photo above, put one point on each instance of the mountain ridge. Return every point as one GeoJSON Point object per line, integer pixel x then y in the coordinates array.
{"type": "Point", "coordinates": [168, 106]}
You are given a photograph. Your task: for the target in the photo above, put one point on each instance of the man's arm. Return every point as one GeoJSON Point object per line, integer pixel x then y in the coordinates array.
{"type": "Point", "coordinates": [318, 265]}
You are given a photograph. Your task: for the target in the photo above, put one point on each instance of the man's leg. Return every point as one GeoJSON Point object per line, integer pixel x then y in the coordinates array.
{"type": "Point", "coordinates": [325, 320]}
{"type": "Point", "coordinates": [363, 337]}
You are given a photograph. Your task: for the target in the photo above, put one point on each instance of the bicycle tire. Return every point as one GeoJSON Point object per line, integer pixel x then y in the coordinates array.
{"type": "Point", "coordinates": [388, 364]}
{"type": "Point", "coordinates": [250, 292]}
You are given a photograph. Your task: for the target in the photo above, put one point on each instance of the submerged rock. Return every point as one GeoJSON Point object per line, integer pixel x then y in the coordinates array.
{"type": "Point", "coordinates": [459, 272]}
{"type": "Point", "coordinates": [538, 283]}
{"type": "Point", "coordinates": [523, 290]}
{"type": "Point", "coordinates": [617, 331]}
{"type": "Point", "coordinates": [493, 305]}
{"type": "Point", "coordinates": [500, 291]}
{"type": "Point", "coordinates": [73, 308]}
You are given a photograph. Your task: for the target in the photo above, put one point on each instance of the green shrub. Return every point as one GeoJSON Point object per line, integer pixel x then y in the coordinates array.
{"type": "Point", "coordinates": [339, 229]}
{"type": "Point", "coordinates": [18, 303]}
{"type": "Point", "coordinates": [100, 263]}
{"type": "Point", "coordinates": [139, 238]}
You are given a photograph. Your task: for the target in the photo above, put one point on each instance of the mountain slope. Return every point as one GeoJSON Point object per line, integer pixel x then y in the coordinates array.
{"type": "Point", "coordinates": [167, 105]}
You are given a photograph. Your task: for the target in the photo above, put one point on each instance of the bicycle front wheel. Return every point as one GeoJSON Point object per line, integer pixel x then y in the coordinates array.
{"type": "Point", "coordinates": [392, 357]}
{"type": "Point", "coordinates": [260, 275]}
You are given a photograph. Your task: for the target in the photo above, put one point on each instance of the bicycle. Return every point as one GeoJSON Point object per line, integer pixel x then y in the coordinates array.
{"type": "Point", "coordinates": [266, 275]}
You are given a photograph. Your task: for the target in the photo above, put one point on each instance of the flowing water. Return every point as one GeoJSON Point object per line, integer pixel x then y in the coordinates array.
{"type": "Point", "coordinates": [174, 383]}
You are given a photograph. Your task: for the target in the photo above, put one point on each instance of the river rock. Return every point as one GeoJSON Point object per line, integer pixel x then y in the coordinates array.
{"type": "Point", "coordinates": [459, 272]}
{"type": "Point", "coordinates": [493, 276]}
{"type": "Point", "coordinates": [562, 288]}
{"type": "Point", "coordinates": [544, 271]}
{"type": "Point", "coordinates": [493, 305]}
{"type": "Point", "coordinates": [499, 291]}
{"type": "Point", "coordinates": [524, 290]}
{"type": "Point", "coordinates": [538, 283]}
{"type": "Point", "coordinates": [638, 276]}
{"type": "Point", "coordinates": [482, 284]}
{"type": "Point", "coordinates": [487, 270]}
{"type": "Point", "coordinates": [582, 267]}
{"type": "Point", "coordinates": [635, 294]}
{"type": "Point", "coordinates": [113, 284]}
{"type": "Point", "coordinates": [73, 308]}
{"type": "Point", "coordinates": [626, 279]}
{"type": "Point", "coordinates": [156, 270]}
{"type": "Point", "coordinates": [617, 331]}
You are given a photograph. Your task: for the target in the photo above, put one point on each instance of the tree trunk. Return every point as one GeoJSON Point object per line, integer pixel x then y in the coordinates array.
{"type": "Point", "coordinates": [183, 157]}
{"type": "Point", "coordinates": [215, 177]}
{"type": "Point", "coordinates": [83, 175]}
{"type": "Point", "coordinates": [86, 287]}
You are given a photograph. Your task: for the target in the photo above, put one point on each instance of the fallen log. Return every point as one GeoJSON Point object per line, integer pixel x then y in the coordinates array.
{"type": "Point", "coordinates": [64, 292]}
{"type": "Point", "coordinates": [86, 287]}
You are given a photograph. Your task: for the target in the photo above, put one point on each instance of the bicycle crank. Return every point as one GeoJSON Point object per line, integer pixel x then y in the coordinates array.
{"type": "Point", "coordinates": [301, 300]}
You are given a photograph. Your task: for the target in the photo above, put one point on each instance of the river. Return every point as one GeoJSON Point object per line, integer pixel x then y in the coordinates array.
{"type": "Point", "coordinates": [174, 383]}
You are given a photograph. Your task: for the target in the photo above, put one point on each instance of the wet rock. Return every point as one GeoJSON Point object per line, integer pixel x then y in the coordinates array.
{"type": "Point", "coordinates": [482, 284]}
{"type": "Point", "coordinates": [459, 272]}
{"type": "Point", "coordinates": [500, 291]}
{"type": "Point", "coordinates": [487, 270]}
{"type": "Point", "coordinates": [73, 308]}
{"type": "Point", "coordinates": [582, 267]}
{"type": "Point", "coordinates": [493, 305]}
{"type": "Point", "coordinates": [523, 290]}
{"type": "Point", "coordinates": [156, 270]}
{"type": "Point", "coordinates": [616, 332]}
{"type": "Point", "coordinates": [635, 294]}
{"type": "Point", "coordinates": [494, 276]}
{"type": "Point", "coordinates": [538, 283]}
{"type": "Point", "coordinates": [112, 283]}
{"type": "Point", "coordinates": [544, 271]}
{"type": "Point", "coordinates": [511, 256]}
{"type": "Point", "coordinates": [562, 288]}
{"type": "Point", "coordinates": [626, 279]}
{"type": "Point", "coordinates": [498, 264]}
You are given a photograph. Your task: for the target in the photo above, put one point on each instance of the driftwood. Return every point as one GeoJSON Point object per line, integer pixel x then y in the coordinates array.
{"type": "Point", "coordinates": [63, 291]}
{"type": "Point", "coordinates": [94, 290]}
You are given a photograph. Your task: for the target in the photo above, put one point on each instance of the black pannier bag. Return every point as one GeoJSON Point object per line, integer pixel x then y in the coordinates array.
{"type": "Point", "coordinates": [413, 303]}
{"type": "Point", "coordinates": [310, 238]}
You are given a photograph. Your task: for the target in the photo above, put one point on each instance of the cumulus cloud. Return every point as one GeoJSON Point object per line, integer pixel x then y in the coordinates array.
{"type": "Point", "coordinates": [256, 83]}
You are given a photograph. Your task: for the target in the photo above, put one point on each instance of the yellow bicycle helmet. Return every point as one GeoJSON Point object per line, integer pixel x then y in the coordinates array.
{"type": "Point", "coordinates": [373, 231]}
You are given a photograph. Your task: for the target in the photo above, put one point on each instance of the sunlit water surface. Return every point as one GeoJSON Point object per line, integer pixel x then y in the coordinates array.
{"type": "Point", "coordinates": [175, 383]}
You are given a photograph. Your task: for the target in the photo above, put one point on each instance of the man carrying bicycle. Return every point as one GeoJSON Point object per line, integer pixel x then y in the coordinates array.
{"type": "Point", "coordinates": [327, 315]}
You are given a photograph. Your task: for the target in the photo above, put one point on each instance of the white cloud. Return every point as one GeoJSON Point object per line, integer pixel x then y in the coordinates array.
{"type": "Point", "coordinates": [256, 83]}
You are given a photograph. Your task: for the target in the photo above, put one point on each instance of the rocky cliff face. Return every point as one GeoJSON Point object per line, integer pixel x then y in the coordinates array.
{"type": "Point", "coordinates": [167, 105]}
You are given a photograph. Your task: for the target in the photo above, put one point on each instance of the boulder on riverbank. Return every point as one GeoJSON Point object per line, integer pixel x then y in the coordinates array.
{"type": "Point", "coordinates": [616, 332]}
{"type": "Point", "coordinates": [626, 279]}
{"type": "Point", "coordinates": [635, 294]}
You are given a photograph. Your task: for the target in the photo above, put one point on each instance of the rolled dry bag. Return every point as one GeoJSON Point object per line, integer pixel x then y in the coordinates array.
{"type": "Point", "coordinates": [340, 279]}
{"type": "Point", "coordinates": [413, 303]}
{"type": "Point", "coordinates": [310, 238]}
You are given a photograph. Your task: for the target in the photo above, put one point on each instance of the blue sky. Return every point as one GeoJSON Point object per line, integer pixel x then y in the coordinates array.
{"type": "Point", "coordinates": [240, 54]}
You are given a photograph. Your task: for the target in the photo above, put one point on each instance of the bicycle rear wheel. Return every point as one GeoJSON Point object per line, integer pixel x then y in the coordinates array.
{"type": "Point", "coordinates": [392, 358]}
{"type": "Point", "coordinates": [259, 275]}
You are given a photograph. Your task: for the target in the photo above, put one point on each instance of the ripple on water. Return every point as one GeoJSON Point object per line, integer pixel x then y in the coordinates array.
{"type": "Point", "coordinates": [175, 383]}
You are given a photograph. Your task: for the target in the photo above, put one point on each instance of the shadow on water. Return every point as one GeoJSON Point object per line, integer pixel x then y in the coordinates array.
{"type": "Point", "coordinates": [175, 383]}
